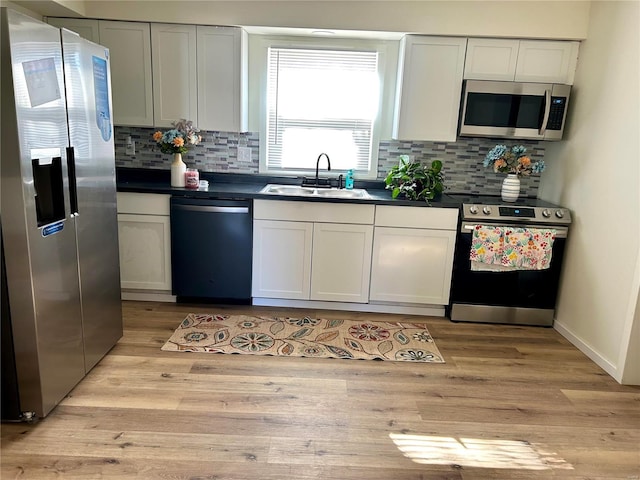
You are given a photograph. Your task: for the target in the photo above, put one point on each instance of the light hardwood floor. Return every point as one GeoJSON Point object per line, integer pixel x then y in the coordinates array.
{"type": "Point", "coordinates": [509, 403]}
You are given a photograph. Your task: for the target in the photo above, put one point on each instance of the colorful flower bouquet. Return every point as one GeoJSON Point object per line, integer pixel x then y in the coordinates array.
{"type": "Point", "coordinates": [512, 160]}
{"type": "Point", "coordinates": [178, 138]}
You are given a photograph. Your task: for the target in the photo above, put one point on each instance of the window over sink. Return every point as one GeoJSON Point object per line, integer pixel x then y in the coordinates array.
{"type": "Point", "coordinates": [321, 96]}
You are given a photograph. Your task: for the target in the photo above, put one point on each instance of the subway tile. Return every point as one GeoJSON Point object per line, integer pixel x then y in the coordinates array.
{"type": "Point", "coordinates": [462, 160]}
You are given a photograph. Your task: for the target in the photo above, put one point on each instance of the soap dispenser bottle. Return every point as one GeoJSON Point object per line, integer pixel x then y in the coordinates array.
{"type": "Point", "coordinates": [348, 181]}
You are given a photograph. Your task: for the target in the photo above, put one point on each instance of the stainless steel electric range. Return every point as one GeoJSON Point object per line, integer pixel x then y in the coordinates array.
{"type": "Point", "coordinates": [523, 297]}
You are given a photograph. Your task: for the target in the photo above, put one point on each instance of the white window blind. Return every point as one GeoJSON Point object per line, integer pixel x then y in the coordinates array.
{"type": "Point", "coordinates": [321, 101]}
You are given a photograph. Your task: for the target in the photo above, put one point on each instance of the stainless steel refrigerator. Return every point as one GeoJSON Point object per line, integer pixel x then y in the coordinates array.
{"type": "Point", "coordinates": [62, 311]}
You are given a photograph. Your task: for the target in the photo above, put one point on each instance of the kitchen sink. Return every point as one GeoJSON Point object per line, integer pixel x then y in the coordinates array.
{"type": "Point", "coordinates": [313, 192]}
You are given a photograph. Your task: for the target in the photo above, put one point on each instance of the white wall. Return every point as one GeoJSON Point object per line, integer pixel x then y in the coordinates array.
{"type": "Point", "coordinates": [535, 19]}
{"type": "Point", "coordinates": [596, 174]}
{"type": "Point", "coordinates": [21, 9]}
{"type": "Point", "coordinates": [53, 8]}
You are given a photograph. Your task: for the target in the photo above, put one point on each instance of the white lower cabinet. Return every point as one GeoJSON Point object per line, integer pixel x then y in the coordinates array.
{"type": "Point", "coordinates": [145, 242]}
{"type": "Point", "coordinates": [341, 262]}
{"type": "Point", "coordinates": [412, 257]}
{"type": "Point", "coordinates": [362, 257]}
{"type": "Point", "coordinates": [312, 251]}
{"type": "Point", "coordinates": [412, 265]}
{"type": "Point", "coordinates": [281, 259]}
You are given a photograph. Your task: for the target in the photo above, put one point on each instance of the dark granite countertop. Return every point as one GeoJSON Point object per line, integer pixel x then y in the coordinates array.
{"type": "Point", "coordinates": [243, 186]}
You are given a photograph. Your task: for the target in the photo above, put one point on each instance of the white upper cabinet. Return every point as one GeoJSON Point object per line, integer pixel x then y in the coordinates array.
{"type": "Point", "coordinates": [173, 53]}
{"type": "Point", "coordinates": [129, 45]}
{"type": "Point", "coordinates": [541, 61]}
{"type": "Point", "coordinates": [85, 28]}
{"type": "Point", "coordinates": [429, 88]}
{"type": "Point", "coordinates": [547, 61]}
{"type": "Point", "coordinates": [491, 59]}
{"type": "Point", "coordinates": [222, 79]}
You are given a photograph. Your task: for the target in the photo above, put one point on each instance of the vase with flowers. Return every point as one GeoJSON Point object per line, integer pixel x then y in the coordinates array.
{"type": "Point", "coordinates": [515, 163]}
{"type": "Point", "coordinates": [177, 141]}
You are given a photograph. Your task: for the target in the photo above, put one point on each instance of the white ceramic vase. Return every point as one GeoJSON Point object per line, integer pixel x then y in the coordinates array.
{"type": "Point", "coordinates": [178, 169]}
{"type": "Point", "coordinates": [510, 188]}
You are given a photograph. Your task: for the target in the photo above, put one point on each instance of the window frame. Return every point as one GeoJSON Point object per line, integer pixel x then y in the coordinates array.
{"type": "Point", "coordinates": [387, 63]}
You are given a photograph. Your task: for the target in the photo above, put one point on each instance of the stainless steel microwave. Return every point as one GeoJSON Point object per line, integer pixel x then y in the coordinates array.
{"type": "Point", "coordinates": [534, 111]}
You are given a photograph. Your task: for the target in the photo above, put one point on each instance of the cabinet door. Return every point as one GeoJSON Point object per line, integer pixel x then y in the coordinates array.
{"type": "Point", "coordinates": [222, 79]}
{"type": "Point", "coordinates": [145, 252]}
{"type": "Point", "coordinates": [547, 61]}
{"type": "Point", "coordinates": [341, 262]}
{"type": "Point", "coordinates": [175, 82]}
{"type": "Point", "coordinates": [412, 265]}
{"type": "Point", "coordinates": [129, 45]}
{"type": "Point", "coordinates": [85, 28]}
{"type": "Point", "coordinates": [281, 259]}
{"type": "Point", "coordinates": [429, 88]}
{"type": "Point", "coordinates": [491, 59]}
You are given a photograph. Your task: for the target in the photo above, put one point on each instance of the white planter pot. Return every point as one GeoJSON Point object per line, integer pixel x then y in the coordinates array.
{"type": "Point", "coordinates": [510, 188]}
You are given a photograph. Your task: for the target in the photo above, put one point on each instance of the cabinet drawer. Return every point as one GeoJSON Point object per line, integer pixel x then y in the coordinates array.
{"type": "Point", "coordinates": [143, 203]}
{"type": "Point", "coordinates": [417, 217]}
{"type": "Point", "coordinates": [313, 212]}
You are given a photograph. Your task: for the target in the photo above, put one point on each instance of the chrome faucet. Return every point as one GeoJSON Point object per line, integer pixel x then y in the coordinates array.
{"type": "Point", "coordinates": [318, 163]}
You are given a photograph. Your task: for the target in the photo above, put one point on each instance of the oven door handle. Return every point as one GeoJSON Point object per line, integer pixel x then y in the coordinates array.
{"type": "Point", "coordinates": [468, 228]}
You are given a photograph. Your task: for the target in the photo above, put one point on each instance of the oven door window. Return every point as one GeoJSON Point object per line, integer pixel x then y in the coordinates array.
{"type": "Point", "coordinates": [521, 288]}
{"type": "Point", "coordinates": [504, 110]}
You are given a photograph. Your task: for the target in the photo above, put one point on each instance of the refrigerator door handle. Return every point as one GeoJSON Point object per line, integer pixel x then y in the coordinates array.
{"type": "Point", "coordinates": [73, 187]}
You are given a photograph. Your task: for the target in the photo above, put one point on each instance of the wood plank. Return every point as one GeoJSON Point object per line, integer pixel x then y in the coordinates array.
{"type": "Point", "coordinates": [522, 402]}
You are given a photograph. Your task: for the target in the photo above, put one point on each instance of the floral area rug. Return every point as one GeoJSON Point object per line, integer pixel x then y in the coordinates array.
{"type": "Point", "coordinates": [305, 337]}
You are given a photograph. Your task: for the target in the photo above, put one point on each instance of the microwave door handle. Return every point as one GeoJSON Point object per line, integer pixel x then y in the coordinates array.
{"type": "Point", "coordinates": [547, 111]}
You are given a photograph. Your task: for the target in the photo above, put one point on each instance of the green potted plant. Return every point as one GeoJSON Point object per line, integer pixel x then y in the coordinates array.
{"type": "Point", "coordinates": [414, 180]}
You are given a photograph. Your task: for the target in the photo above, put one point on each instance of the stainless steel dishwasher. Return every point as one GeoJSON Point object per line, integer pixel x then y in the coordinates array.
{"type": "Point", "coordinates": [211, 242]}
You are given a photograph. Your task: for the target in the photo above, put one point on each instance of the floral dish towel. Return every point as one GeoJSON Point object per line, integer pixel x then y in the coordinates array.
{"type": "Point", "coordinates": [506, 248]}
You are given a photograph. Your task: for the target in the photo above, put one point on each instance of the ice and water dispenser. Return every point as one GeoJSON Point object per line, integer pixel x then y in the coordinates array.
{"type": "Point", "coordinates": [49, 189]}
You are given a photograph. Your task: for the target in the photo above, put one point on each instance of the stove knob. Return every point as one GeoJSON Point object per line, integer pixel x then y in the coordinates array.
{"type": "Point", "coordinates": [559, 213]}
{"type": "Point", "coordinates": [546, 213]}
{"type": "Point", "coordinates": [486, 210]}
{"type": "Point", "coordinates": [473, 209]}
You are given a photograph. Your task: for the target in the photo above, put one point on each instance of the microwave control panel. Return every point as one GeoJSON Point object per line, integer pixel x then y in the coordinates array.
{"type": "Point", "coordinates": [556, 113]}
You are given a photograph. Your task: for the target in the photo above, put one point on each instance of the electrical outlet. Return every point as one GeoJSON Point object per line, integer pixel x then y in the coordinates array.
{"type": "Point", "coordinates": [244, 154]}
{"type": "Point", "coordinates": [130, 147]}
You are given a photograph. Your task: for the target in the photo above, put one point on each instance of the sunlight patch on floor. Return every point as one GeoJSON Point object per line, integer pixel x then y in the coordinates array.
{"type": "Point", "coordinates": [476, 452]}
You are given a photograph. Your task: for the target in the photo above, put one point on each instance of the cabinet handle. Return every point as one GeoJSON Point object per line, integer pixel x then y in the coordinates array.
{"type": "Point", "coordinates": [208, 209]}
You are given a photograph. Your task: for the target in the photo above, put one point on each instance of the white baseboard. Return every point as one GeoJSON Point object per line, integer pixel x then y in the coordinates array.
{"type": "Point", "coordinates": [428, 310]}
{"type": "Point", "coordinates": [585, 348]}
{"type": "Point", "coordinates": [148, 297]}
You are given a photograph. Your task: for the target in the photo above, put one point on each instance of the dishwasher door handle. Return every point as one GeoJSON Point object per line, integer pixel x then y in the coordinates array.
{"type": "Point", "coordinates": [209, 209]}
